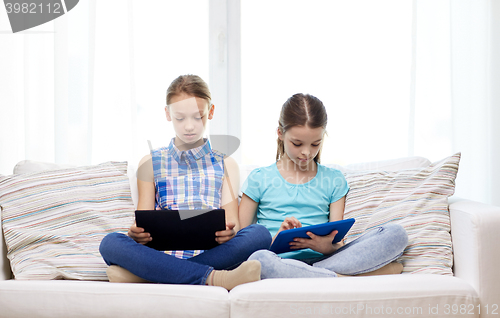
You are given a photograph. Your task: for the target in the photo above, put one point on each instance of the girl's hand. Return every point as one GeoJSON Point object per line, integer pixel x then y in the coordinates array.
{"type": "Point", "coordinates": [290, 223]}
{"type": "Point", "coordinates": [138, 234]}
{"type": "Point", "coordinates": [227, 234]}
{"type": "Point", "coordinates": [322, 244]}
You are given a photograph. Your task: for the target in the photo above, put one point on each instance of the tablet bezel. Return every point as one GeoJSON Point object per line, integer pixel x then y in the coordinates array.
{"type": "Point", "coordinates": [281, 243]}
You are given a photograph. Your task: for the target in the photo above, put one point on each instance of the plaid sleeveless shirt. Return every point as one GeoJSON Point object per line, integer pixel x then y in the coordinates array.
{"type": "Point", "coordinates": [189, 179]}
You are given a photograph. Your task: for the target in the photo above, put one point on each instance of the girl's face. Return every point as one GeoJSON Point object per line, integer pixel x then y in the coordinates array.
{"type": "Point", "coordinates": [302, 144]}
{"type": "Point", "coordinates": [189, 116]}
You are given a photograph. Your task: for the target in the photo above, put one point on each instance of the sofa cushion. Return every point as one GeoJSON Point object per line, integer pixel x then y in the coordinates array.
{"type": "Point", "coordinates": [64, 299]}
{"type": "Point", "coordinates": [415, 198]}
{"type": "Point", "coordinates": [384, 165]}
{"type": "Point", "coordinates": [27, 166]}
{"type": "Point", "coordinates": [370, 296]}
{"type": "Point", "coordinates": [54, 220]}
{"type": "Point", "coordinates": [5, 272]}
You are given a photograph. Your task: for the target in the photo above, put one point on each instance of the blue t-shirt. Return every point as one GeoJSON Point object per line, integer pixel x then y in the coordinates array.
{"type": "Point", "coordinates": [308, 202]}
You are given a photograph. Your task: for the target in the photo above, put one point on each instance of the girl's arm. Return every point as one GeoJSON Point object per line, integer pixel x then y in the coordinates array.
{"type": "Point", "coordinates": [337, 210]}
{"type": "Point", "coordinates": [336, 214]}
{"type": "Point", "coordinates": [323, 244]}
{"type": "Point", "coordinates": [146, 187]}
{"type": "Point", "coordinates": [247, 210]}
{"type": "Point", "coordinates": [229, 200]}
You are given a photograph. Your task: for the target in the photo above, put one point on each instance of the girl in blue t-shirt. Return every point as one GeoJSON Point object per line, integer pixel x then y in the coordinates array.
{"type": "Point", "coordinates": [187, 174]}
{"type": "Point", "coordinates": [297, 191]}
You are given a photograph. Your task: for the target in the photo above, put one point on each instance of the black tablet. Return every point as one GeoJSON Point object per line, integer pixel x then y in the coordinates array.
{"type": "Point", "coordinates": [181, 229]}
{"type": "Point", "coordinates": [281, 243]}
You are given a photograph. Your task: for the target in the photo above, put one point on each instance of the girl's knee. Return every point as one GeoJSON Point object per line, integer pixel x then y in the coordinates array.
{"type": "Point", "coordinates": [109, 242]}
{"type": "Point", "coordinates": [262, 235]}
{"type": "Point", "coordinates": [398, 234]}
{"type": "Point", "coordinates": [396, 229]}
{"type": "Point", "coordinates": [112, 237]}
{"type": "Point", "coordinates": [261, 255]}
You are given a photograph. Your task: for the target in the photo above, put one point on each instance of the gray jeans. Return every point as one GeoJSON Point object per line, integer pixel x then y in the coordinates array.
{"type": "Point", "coordinates": [367, 253]}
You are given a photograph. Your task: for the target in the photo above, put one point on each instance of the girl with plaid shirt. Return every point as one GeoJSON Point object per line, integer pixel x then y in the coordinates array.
{"type": "Point", "coordinates": [188, 174]}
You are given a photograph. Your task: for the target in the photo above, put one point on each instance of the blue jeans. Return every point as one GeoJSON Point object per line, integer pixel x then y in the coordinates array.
{"type": "Point", "coordinates": [367, 253]}
{"type": "Point", "coordinates": [156, 266]}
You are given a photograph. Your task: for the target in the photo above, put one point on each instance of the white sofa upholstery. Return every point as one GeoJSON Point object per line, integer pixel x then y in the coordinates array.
{"type": "Point", "coordinates": [473, 291]}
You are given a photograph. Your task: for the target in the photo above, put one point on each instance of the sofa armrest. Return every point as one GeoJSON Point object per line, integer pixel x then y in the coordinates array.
{"type": "Point", "coordinates": [475, 231]}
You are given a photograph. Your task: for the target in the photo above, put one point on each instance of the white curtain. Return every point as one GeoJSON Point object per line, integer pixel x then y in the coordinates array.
{"type": "Point", "coordinates": [475, 71]}
{"type": "Point", "coordinates": [457, 104]}
{"type": "Point", "coordinates": [90, 86]}
{"type": "Point", "coordinates": [355, 56]}
{"type": "Point", "coordinates": [26, 95]}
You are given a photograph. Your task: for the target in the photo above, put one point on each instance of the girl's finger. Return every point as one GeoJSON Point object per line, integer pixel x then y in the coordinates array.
{"type": "Point", "coordinates": [225, 233]}
{"type": "Point", "coordinates": [289, 224]}
{"type": "Point", "coordinates": [333, 234]}
{"type": "Point", "coordinates": [296, 222]}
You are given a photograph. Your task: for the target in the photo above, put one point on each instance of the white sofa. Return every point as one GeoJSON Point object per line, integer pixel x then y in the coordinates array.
{"type": "Point", "coordinates": [472, 291]}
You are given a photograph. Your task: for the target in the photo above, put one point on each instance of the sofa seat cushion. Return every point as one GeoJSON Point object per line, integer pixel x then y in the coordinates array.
{"type": "Point", "coordinates": [74, 299]}
{"type": "Point", "coordinates": [406, 296]}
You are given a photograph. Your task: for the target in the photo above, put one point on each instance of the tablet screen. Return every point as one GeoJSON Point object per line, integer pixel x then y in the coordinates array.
{"type": "Point", "coordinates": [181, 229]}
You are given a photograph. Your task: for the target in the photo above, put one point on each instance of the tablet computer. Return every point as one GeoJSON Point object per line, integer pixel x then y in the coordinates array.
{"type": "Point", "coordinates": [282, 240]}
{"type": "Point", "coordinates": [181, 229]}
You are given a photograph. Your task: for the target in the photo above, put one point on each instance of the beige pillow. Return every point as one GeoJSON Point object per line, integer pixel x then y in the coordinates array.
{"type": "Point", "coordinates": [415, 198]}
{"type": "Point", "coordinates": [54, 221]}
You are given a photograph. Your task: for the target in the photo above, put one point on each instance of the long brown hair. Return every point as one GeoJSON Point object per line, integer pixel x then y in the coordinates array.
{"type": "Point", "coordinates": [301, 110]}
{"type": "Point", "coordinates": [191, 85]}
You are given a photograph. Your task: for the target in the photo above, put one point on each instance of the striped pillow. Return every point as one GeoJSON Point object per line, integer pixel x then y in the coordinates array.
{"type": "Point", "coordinates": [54, 221]}
{"type": "Point", "coordinates": [415, 198]}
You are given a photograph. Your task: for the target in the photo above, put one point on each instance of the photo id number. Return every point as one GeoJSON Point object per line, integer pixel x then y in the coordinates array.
{"type": "Point", "coordinates": [471, 309]}
{"type": "Point", "coordinates": [54, 8]}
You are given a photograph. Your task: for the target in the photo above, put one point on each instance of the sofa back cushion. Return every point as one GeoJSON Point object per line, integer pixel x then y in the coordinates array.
{"type": "Point", "coordinates": [5, 272]}
{"type": "Point", "coordinates": [54, 220]}
{"type": "Point", "coordinates": [28, 166]}
{"type": "Point", "coordinates": [415, 198]}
